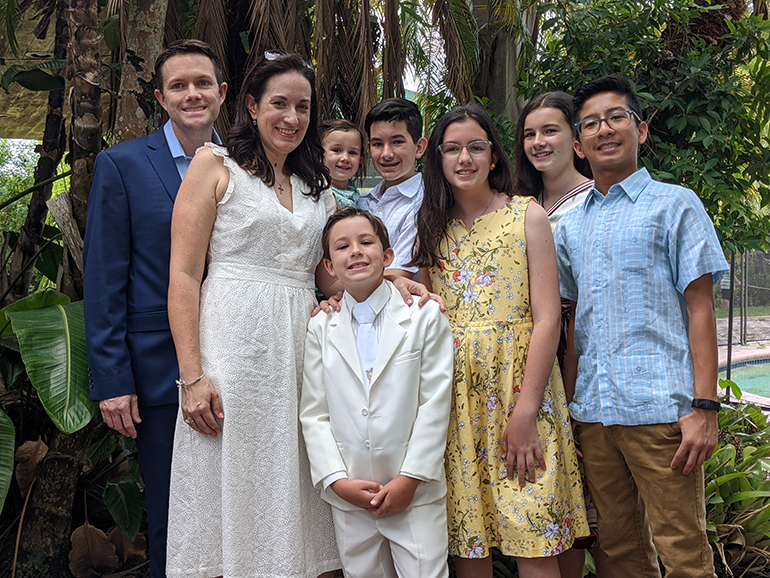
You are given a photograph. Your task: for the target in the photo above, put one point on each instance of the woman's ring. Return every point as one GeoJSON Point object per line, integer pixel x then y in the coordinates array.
{"type": "Point", "coordinates": [189, 421]}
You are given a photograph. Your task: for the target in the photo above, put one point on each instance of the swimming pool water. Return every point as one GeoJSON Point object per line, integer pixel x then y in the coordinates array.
{"type": "Point", "coordinates": [753, 378]}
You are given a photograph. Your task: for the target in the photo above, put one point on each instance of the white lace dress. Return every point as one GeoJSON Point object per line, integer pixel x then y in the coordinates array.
{"type": "Point", "coordinates": [243, 505]}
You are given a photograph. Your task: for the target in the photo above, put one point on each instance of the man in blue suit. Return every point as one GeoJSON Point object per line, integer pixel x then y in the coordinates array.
{"type": "Point", "coordinates": [128, 240]}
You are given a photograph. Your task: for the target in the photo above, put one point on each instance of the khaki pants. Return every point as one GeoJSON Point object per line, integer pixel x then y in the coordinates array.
{"type": "Point", "coordinates": [640, 499]}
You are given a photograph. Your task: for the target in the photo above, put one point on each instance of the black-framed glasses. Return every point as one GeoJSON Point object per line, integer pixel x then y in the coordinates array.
{"type": "Point", "coordinates": [476, 148]}
{"type": "Point", "coordinates": [278, 54]}
{"type": "Point", "coordinates": [616, 121]}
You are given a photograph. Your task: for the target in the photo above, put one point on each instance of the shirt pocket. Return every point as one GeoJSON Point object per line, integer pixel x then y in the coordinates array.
{"type": "Point", "coordinates": [640, 377]}
{"type": "Point", "coordinates": [634, 249]}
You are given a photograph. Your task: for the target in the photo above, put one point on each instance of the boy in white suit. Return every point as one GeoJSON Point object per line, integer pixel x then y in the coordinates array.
{"type": "Point", "coordinates": [375, 410]}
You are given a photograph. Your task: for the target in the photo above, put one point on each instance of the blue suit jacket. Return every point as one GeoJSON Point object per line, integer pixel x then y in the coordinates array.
{"type": "Point", "coordinates": [126, 253]}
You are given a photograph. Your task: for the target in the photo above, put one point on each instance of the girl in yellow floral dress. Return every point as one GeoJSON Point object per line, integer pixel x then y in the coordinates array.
{"type": "Point", "coordinates": [512, 473]}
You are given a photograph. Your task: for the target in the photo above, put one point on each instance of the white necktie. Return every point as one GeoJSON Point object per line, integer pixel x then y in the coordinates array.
{"type": "Point", "coordinates": [366, 341]}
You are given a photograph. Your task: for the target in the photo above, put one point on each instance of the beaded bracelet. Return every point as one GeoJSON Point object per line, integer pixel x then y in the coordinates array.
{"type": "Point", "coordinates": [185, 384]}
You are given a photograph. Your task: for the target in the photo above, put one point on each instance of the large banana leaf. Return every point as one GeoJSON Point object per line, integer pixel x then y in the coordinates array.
{"type": "Point", "coordinates": [7, 440]}
{"type": "Point", "coordinates": [34, 301]}
{"type": "Point", "coordinates": [52, 342]}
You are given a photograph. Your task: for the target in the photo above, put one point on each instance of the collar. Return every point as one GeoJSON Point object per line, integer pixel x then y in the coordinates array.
{"type": "Point", "coordinates": [175, 147]}
{"type": "Point", "coordinates": [409, 188]}
{"type": "Point", "coordinates": [377, 300]}
{"type": "Point", "coordinates": [632, 186]}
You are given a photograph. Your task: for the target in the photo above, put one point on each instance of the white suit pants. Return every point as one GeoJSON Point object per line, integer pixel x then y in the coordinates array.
{"type": "Point", "coordinates": [407, 544]}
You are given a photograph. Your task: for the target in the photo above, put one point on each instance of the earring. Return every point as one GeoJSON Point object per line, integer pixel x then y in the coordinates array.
{"type": "Point", "coordinates": [492, 167]}
{"type": "Point", "coordinates": [254, 121]}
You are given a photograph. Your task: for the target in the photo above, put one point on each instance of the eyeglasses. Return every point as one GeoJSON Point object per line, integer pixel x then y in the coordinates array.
{"type": "Point", "coordinates": [476, 148]}
{"type": "Point", "coordinates": [616, 121]}
{"type": "Point", "coordinates": [278, 54]}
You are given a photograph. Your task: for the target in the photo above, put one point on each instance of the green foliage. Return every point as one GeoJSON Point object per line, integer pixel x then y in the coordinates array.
{"type": "Point", "coordinates": [34, 77]}
{"type": "Point", "coordinates": [53, 346]}
{"type": "Point", "coordinates": [17, 172]}
{"type": "Point", "coordinates": [126, 504]}
{"type": "Point", "coordinates": [706, 100]}
{"type": "Point", "coordinates": [738, 491]}
{"type": "Point", "coordinates": [7, 444]}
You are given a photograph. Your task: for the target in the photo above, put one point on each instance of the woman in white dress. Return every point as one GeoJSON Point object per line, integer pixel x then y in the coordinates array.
{"type": "Point", "coordinates": [242, 503]}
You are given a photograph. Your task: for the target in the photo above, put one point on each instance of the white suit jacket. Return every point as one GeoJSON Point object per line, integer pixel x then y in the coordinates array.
{"type": "Point", "coordinates": [401, 426]}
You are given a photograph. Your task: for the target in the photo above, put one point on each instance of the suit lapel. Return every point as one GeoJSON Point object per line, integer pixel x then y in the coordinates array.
{"type": "Point", "coordinates": [344, 341]}
{"type": "Point", "coordinates": [163, 163]}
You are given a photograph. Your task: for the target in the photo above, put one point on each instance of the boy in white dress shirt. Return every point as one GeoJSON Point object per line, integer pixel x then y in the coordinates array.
{"type": "Point", "coordinates": [375, 410]}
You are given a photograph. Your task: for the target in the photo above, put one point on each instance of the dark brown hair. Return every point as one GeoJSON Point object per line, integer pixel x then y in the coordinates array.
{"type": "Point", "coordinates": [348, 213]}
{"type": "Point", "coordinates": [244, 143]}
{"type": "Point", "coordinates": [612, 83]}
{"type": "Point", "coordinates": [438, 200]}
{"type": "Point", "coordinates": [529, 180]}
{"type": "Point", "coordinates": [186, 46]}
{"type": "Point", "coordinates": [394, 110]}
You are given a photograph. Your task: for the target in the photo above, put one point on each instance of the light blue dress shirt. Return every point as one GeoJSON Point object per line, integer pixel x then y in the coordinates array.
{"type": "Point", "coordinates": [181, 160]}
{"type": "Point", "coordinates": [626, 260]}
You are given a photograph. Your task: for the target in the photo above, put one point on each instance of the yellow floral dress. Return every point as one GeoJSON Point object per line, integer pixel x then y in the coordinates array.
{"type": "Point", "coordinates": [485, 286]}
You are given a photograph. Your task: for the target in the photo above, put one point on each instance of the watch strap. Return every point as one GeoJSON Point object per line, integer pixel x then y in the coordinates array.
{"type": "Point", "coordinates": [708, 404]}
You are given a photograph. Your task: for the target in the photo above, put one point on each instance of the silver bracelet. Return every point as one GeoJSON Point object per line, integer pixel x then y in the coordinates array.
{"type": "Point", "coordinates": [185, 384]}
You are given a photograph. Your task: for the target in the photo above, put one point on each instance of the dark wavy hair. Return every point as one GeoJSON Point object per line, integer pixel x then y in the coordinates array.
{"type": "Point", "coordinates": [529, 180]}
{"type": "Point", "coordinates": [244, 143]}
{"type": "Point", "coordinates": [438, 200]}
{"type": "Point", "coordinates": [611, 83]}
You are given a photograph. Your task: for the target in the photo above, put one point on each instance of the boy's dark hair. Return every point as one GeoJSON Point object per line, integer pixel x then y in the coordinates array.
{"type": "Point", "coordinates": [612, 83]}
{"type": "Point", "coordinates": [348, 213]}
{"type": "Point", "coordinates": [393, 110]}
{"type": "Point", "coordinates": [244, 145]}
{"type": "Point", "coordinates": [186, 46]}
{"type": "Point", "coordinates": [529, 180]}
{"type": "Point", "coordinates": [436, 209]}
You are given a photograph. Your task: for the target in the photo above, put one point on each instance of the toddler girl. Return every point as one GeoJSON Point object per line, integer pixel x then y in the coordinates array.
{"type": "Point", "coordinates": [343, 144]}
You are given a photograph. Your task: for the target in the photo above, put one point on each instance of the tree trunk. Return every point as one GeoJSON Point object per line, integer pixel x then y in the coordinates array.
{"type": "Point", "coordinates": [145, 26]}
{"type": "Point", "coordinates": [45, 537]}
{"type": "Point", "coordinates": [86, 111]}
{"type": "Point", "coordinates": [54, 143]}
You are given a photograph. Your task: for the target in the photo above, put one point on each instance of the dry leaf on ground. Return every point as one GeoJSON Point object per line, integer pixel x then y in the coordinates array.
{"type": "Point", "coordinates": [136, 550]}
{"type": "Point", "coordinates": [29, 455]}
{"type": "Point", "coordinates": [92, 554]}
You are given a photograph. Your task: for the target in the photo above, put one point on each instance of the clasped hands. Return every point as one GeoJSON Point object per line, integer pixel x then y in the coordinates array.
{"type": "Point", "coordinates": [395, 496]}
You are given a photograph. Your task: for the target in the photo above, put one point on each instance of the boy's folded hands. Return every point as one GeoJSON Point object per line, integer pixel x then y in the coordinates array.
{"type": "Point", "coordinates": [357, 492]}
{"type": "Point", "coordinates": [393, 497]}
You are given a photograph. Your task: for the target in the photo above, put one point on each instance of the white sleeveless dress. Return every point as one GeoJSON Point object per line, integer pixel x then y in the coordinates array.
{"type": "Point", "coordinates": [243, 505]}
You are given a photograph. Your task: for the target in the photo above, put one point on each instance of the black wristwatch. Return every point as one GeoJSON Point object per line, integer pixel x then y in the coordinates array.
{"type": "Point", "coordinates": [708, 404]}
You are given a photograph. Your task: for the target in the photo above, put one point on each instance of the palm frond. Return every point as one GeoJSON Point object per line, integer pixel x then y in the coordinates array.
{"type": "Point", "coordinates": [393, 53]}
{"type": "Point", "coordinates": [458, 27]}
{"type": "Point", "coordinates": [45, 9]}
{"type": "Point", "coordinates": [366, 89]}
{"type": "Point", "coordinates": [326, 71]}
{"type": "Point", "coordinates": [212, 27]}
{"type": "Point", "coordinates": [10, 13]}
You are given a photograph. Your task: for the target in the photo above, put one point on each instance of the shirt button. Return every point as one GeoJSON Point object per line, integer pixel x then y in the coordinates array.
{"type": "Point", "coordinates": [596, 244]}
{"type": "Point", "coordinates": [366, 443]}
{"type": "Point", "coordinates": [364, 412]}
{"type": "Point", "coordinates": [604, 208]}
{"type": "Point", "coordinates": [596, 284]}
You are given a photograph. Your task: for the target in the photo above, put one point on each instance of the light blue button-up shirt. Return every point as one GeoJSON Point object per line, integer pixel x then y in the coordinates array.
{"type": "Point", "coordinates": [626, 260]}
{"type": "Point", "coordinates": [181, 160]}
